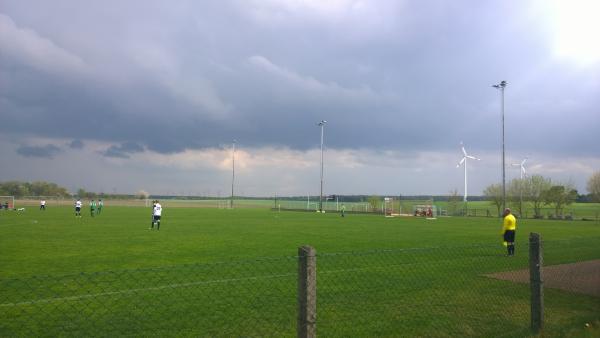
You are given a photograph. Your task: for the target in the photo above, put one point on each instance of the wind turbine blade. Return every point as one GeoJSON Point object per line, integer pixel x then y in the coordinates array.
{"type": "Point", "coordinates": [515, 164]}
{"type": "Point", "coordinates": [463, 150]}
{"type": "Point", "coordinates": [473, 157]}
{"type": "Point", "coordinates": [461, 162]}
{"type": "Point", "coordinates": [525, 160]}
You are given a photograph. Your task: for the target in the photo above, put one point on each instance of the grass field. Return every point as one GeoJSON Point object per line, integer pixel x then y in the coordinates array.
{"type": "Point", "coordinates": [220, 272]}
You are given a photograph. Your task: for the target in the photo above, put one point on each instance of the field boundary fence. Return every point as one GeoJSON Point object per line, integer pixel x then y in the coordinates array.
{"type": "Point", "coordinates": [440, 291]}
{"type": "Point", "coordinates": [400, 207]}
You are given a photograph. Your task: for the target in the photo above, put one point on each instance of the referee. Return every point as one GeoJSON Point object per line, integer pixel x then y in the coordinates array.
{"type": "Point", "coordinates": [509, 226]}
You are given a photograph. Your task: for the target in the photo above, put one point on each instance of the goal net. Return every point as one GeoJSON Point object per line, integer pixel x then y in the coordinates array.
{"type": "Point", "coordinates": [35, 200]}
{"type": "Point", "coordinates": [7, 202]}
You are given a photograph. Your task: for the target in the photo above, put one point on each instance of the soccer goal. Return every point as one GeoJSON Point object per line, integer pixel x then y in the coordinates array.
{"type": "Point", "coordinates": [7, 202]}
{"type": "Point", "coordinates": [388, 207]}
{"type": "Point", "coordinates": [425, 210]}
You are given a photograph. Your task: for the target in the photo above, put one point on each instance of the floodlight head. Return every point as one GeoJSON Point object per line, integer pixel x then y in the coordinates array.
{"type": "Point", "coordinates": [501, 85]}
{"type": "Point", "coordinates": [322, 123]}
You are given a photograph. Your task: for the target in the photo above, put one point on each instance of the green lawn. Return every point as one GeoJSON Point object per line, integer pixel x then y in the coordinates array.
{"type": "Point", "coordinates": [219, 272]}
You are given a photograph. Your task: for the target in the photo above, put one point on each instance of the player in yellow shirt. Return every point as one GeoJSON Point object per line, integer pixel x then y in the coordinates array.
{"type": "Point", "coordinates": [509, 227]}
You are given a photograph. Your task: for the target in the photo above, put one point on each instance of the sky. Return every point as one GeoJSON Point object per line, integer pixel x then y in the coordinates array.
{"type": "Point", "coordinates": [121, 96]}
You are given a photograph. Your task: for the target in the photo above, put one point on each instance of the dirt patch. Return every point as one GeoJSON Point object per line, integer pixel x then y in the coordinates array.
{"type": "Point", "coordinates": [582, 277]}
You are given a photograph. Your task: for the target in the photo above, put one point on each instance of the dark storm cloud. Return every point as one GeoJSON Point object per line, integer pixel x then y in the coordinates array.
{"type": "Point", "coordinates": [124, 150]}
{"type": "Point", "coordinates": [47, 151]}
{"type": "Point", "coordinates": [76, 144]}
{"type": "Point", "coordinates": [415, 76]}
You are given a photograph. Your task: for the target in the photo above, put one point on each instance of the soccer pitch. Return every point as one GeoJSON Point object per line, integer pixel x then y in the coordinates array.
{"type": "Point", "coordinates": [223, 272]}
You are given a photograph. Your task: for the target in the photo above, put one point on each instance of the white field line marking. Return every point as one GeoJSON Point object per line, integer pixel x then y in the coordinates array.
{"type": "Point", "coordinates": [119, 292]}
{"type": "Point", "coordinates": [177, 285]}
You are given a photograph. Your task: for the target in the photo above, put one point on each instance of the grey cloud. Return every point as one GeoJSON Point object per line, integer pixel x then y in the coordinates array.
{"type": "Point", "coordinates": [47, 151]}
{"type": "Point", "coordinates": [76, 144]}
{"type": "Point", "coordinates": [124, 150]}
{"type": "Point", "coordinates": [409, 77]}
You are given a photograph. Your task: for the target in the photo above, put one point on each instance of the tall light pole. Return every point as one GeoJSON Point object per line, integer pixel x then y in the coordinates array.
{"type": "Point", "coordinates": [501, 87]}
{"type": "Point", "coordinates": [322, 125]}
{"type": "Point", "coordinates": [232, 172]}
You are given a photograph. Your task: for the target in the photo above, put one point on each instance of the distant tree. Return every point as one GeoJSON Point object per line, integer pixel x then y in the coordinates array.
{"type": "Point", "coordinates": [453, 201]}
{"type": "Point", "coordinates": [493, 193]}
{"type": "Point", "coordinates": [81, 193]}
{"type": "Point", "coordinates": [142, 194]}
{"type": "Point", "coordinates": [536, 187]}
{"type": "Point", "coordinates": [15, 188]}
{"type": "Point", "coordinates": [593, 186]}
{"type": "Point", "coordinates": [560, 196]}
{"type": "Point", "coordinates": [517, 191]}
{"type": "Point", "coordinates": [38, 188]}
{"type": "Point", "coordinates": [374, 202]}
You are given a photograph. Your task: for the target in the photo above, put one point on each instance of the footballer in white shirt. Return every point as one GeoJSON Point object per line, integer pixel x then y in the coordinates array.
{"type": "Point", "coordinates": [156, 213]}
{"type": "Point", "coordinates": [78, 208]}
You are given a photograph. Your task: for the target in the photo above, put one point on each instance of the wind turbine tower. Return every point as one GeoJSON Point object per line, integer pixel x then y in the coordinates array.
{"type": "Point", "coordinates": [523, 174]}
{"type": "Point", "coordinates": [463, 161]}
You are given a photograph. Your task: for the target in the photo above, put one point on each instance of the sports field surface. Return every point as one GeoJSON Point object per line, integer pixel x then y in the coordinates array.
{"type": "Point", "coordinates": [223, 272]}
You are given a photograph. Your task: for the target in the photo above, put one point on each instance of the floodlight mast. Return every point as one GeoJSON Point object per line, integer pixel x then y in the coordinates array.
{"type": "Point", "coordinates": [232, 172]}
{"type": "Point", "coordinates": [322, 125]}
{"type": "Point", "coordinates": [501, 87]}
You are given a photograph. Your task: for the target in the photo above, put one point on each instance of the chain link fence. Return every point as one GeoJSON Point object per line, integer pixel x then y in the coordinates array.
{"type": "Point", "coordinates": [428, 292]}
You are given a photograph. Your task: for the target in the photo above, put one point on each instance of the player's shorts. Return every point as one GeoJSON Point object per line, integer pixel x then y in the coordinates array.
{"type": "Point", "coordinates": [509, 236]}
{"type": "Point", "coordinates": [156, 218]}
{"type": "Point", "coordinates": [77, 209]}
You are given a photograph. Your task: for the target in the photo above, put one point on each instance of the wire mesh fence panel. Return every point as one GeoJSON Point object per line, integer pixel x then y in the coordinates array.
{"type": "Point", "coordinates": [571, 275]}
{"type": "Point", "coordinates": [428, 292]}
{"type": "Point", "coordinates": [254, 298]}
{"type": "Point", "coordinates": [421, 292]}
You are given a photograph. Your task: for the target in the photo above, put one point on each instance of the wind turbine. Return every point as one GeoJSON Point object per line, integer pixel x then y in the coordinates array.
{"type": "Point", "coordinates": [464, 161]}
{"type": "Point", "coordinates": [522, 165]}
{"type": "Point", "coordinates": [523, 174]}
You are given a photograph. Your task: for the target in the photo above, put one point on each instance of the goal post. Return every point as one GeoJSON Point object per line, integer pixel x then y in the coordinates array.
{"type": "Point", "coordinates": [7, 202]}
{"type": "Point", "coordinates": [388, 207]}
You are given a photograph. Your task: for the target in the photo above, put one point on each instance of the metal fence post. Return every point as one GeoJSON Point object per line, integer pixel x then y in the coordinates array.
{"type": "Point", "coordinates": [536, 280]}
{"type": "Point", "coordinates": [307, 292]}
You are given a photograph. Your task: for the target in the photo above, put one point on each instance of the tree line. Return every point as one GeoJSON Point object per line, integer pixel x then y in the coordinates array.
{"type": "Point", "coordinates": [538, 191]}
{"type": "Point", "coordinates": [38, 188]}
{"type": "Point", "coordinates": [21, 189]}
